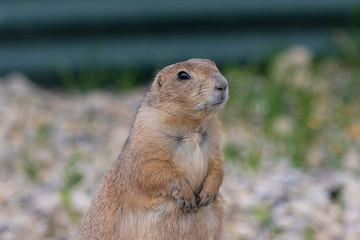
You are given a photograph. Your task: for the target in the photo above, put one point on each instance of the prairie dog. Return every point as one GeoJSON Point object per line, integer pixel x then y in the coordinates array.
{"type": "Point", "coordinates": [165, 182]}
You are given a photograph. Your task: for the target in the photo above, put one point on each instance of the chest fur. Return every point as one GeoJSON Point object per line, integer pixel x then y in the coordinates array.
{"type": "Point", "coordinates": [190, 153]}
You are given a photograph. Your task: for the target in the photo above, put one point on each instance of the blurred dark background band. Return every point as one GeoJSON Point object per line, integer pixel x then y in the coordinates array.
{"type": "Point", "coordinates": [40, 36]}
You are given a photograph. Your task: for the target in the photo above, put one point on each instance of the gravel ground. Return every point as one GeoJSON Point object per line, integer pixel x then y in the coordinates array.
{"type": "Point", "coordinates": [54, 148]}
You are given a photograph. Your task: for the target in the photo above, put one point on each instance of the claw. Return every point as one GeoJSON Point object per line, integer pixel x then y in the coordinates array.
{"type": "Point", "coordinates": [216, 196]}
{"type": "Point", "coordinates": [200, 188]}
{"type": "Point", "coordinates": [181, 202]}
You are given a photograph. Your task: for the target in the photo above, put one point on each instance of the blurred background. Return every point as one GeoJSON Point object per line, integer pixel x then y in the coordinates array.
{"type": "Point", "coordinates": [73, 73]}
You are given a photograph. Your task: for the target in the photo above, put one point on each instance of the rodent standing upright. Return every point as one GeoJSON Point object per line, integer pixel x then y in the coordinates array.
{"type": "Point", "coordinates": [165, 182]}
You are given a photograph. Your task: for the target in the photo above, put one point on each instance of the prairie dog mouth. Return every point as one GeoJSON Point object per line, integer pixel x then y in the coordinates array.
{"type": "Point", "coordinates": [217, 101]}
{"type": "Point", "coordinates": [220, 98]}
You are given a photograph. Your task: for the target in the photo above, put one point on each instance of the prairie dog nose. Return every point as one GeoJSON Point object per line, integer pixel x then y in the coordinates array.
{"type": "Point", "coordinates": [220, 82]}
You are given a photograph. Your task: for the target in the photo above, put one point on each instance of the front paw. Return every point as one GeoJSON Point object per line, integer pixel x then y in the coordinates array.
{"type": "Point", "coordinates": [184, 196]}
{"type": "Point", "coordinates": [205, 197]}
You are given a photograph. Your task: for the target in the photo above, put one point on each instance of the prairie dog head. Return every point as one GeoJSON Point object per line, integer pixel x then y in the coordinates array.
{"type": "Point", "coordinates": [193, 87]}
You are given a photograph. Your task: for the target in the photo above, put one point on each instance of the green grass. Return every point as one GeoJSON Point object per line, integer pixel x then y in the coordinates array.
{"type": "Point", "coordinates": [30, 168]}
{"type": "Point", "coordinates": [295, 106]}
{"type": "Point", "coordinates": [91, 77]}
{"type": "Point", "coordinates": [249, 158]}
{"type": "Point", "coordinates": [263, 215]}
{"type": "Point", "coordinates": [309, 233]}
{"type": "Point", "coordinates": [71, 178]}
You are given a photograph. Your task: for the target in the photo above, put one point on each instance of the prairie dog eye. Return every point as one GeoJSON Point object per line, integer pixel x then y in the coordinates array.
{"type": "Point", "coordinates": [182, 75]}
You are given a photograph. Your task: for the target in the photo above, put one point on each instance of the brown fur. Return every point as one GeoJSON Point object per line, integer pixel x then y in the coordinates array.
{"type": "Point", "coordinates": [165, 183]}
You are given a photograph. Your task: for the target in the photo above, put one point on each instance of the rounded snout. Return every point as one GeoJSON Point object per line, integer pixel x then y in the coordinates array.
{"type": "Point", "coordinates": [220, 93]}
{"type": "Point", "coordinates": [220, 82]}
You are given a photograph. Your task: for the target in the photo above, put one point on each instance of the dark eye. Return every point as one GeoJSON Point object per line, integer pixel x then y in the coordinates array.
{"type": "Point", "coordinates": [183, 75]}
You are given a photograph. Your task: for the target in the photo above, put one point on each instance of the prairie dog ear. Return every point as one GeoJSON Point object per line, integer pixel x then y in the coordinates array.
{"type": "Point", "coordinates": [158, 80]}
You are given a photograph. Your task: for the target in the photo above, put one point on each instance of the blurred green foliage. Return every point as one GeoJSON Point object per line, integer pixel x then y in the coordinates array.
{"type": "Point", "coordinates": [303, 109]}
{"type": "Point", "coordinates": [30, 168]}
{"type": "Point", "coordinates": [89, 78]}
{"type": "Point", "coordinates": [263, 215]}
{"type": "Point", "coordinates": [309, 233]}
{"type": "Point", "coordinates": [71, 178]}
